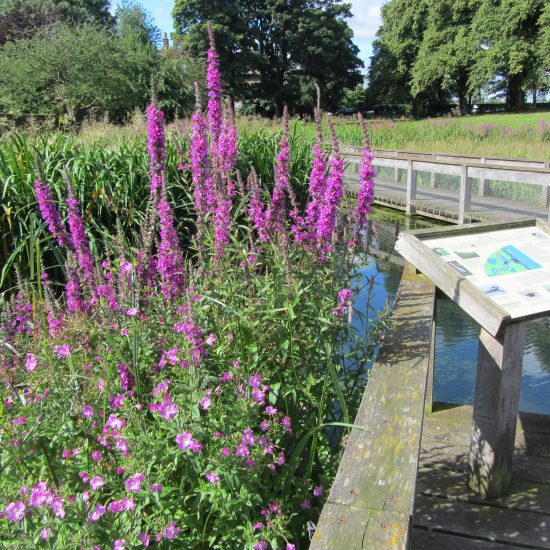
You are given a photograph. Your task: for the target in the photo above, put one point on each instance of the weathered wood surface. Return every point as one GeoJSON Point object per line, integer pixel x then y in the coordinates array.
{"type": "Point", "coordinates": [498, 381]}
{"type": "Point", "coordinates": [373, 491]}
{"type": "Point", "coordinates": [449, 515]}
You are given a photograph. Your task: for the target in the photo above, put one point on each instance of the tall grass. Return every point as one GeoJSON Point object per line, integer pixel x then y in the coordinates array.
{"type": "Point", "coordinates": [110, 177]}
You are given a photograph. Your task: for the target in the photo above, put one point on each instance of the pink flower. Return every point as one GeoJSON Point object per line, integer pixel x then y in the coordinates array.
{"type": "Point", "coordinates": [318, 490]}
{"type": "Point", "coordinates": [171, 530]}
{"type": "Point", "coordinates": [97, 512]}
{"type": "Point", "coordinates": [31, 362]}
{"type": "Point", "coordinates": [96, 482]}
{"type": "Point", "coordinates": [132, 312]}
{"type": "Point", "coordinates": [270, 410]}
{"type": "Point", "coordinates": [133, 484]}
{"type": "Point", "coordinates": [226, 451]}
{"type": "Point", "coordinates": [155, 488]}
{"type": "Point", "coordinates": [225, 377]}
{"type": "Point", "coordinates": [205, 403]}
{"type": "Point", "coordinates": [185, 441]}
{"type": "Point", "coordinates": [261, 545]}
{"type": "Point", "coordinates": [287, 425]}
{"type": "Point", "coordinates": [211, 340]}
{"type": "Point", "coordinates": [305, 504]}
{"type": "Point", "coordinates": [162, 387]}
{"type": "Point", "coordinates": [242, 450]}
{"type": "Point", "coordinates": [63, 351]}
{"type": "Point", "coordinates": [247, 437]}
{"type": "Point", "coordinates": [212, 477]}
{"type": "Point", "coordinates": [255, 380]}
{"type": "Point", "coordinates": [45, 533]}
{"type": "Point", "coordinates": [258, 525]}
{"type": "Point", "coordinates": [87, 411]}
{"type": "Point", "coordinates": [15, 511]}
{"type": "Point", "coordinates": [168, 410]}
{"type": "Point", "coordinates": [119, 544]}
{"type": "Point", "coordinates": [96, 456]}
{"type": "Point", "coordinates": [145, 539]}
{"type": "Point", "coordinates": [84, 477]}
{"type": "Point", "coordinates": [290, 546]}
{"type": "Point", "coordinates": [115, 423]}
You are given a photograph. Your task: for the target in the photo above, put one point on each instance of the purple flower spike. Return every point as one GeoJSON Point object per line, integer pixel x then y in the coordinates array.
{"type": "Point", "coordinates": [80, 242]}
{"type": "Point", "coordinates": [50, 214]}
{"type": "Point", "coordinates": [277, 212]}
{"type": "Point", "coordinates": [332, 197]}
{"type": "Point", "coordinates": [214, 86]}
{"type": "Point", "coordinates": [366, 184]}
{"type": "Point", "coordinates": [156, 145]}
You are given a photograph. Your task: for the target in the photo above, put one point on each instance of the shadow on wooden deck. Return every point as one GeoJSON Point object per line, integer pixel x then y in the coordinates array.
{"type": "Point", "coordinates": [449, 516]}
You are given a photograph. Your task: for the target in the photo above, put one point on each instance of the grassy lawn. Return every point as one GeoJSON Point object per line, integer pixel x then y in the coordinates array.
{"type": "Point", "coordinates": [509, 120]}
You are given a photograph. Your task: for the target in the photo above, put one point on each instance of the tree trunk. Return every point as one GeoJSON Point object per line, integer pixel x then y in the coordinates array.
{"type": "Point", "coordinates": [515, 98]}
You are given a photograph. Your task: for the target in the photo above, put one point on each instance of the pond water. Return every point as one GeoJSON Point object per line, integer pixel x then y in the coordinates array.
{"type": "Point", "coordinates": [457, 333]}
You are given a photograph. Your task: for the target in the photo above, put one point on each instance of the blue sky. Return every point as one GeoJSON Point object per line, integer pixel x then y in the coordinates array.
{"type": "Point", "coordinates": [365, 21]}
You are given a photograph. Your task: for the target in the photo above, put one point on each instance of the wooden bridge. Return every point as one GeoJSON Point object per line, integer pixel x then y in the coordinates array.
{"type": "Point", "coordinates": [457, 188]}
{"type": "Point", "coordinates": [402, 481]}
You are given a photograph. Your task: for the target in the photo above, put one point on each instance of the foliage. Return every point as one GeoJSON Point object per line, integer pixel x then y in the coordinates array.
{"type": "Point", "coordinates": [65, 70]}
{"type": "Point", "coordinates": [132, 19]}
{"type": "Point", "coordinates": [289, 46]}
{"type": "Point", "coordinates": [426, 51]}
{"type": "Point", "coordinates": [189, 396]}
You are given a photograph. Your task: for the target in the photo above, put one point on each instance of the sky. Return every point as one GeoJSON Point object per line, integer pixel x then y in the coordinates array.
{"type": "Point", "coordinates": [365, 21]}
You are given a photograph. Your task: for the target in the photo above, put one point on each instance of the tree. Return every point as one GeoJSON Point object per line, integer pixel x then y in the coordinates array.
{"type": "Point", "coordinates": [448, 51]}
{"type": "Point", "coordinates": [404, 23]}
{"type": "Point", "coordinates": [23, 21]}
{"type": "Point", "coordinates": [287, 46]}
{"type": "Point", "coordinates": [65, 70]}
{"type": "Point", "coordinates": [508, 33]}
{"type": "Point", "coordinates": [132, 20]}
{"type": "Point", "coordinates": [73, 11]}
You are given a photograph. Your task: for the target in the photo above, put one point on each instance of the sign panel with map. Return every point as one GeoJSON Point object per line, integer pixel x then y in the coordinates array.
{"type": "Point", "coordinates": [508, 266]}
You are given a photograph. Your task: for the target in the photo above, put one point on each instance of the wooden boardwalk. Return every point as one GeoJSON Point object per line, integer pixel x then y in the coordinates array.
{"type": "Point", "coordinates": [444, 205]}
{"type": "Point", "coordinates": [449, 516]}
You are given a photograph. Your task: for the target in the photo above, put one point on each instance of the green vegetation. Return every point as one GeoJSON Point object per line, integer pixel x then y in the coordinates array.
{"type": "Point", "coordinates": [288, 47]}
{"type": "Point", "coordinates": [430, 51]}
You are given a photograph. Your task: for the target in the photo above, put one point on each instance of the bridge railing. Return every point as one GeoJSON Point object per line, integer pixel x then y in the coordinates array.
{"type": "Point", "coordinates": [370, 504]}
{"type": "Point", "coordinates": [525, 182]}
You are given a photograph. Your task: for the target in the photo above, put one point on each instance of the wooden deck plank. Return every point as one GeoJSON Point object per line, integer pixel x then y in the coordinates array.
{"type": "Point", "coordinates": [371, 500]}
{"type": "Point", "coordinates": [423, 539]}
{"type": "Point", "coordinates": [453, 484]}
{"type": "Point", "coordinates": [483, 522]}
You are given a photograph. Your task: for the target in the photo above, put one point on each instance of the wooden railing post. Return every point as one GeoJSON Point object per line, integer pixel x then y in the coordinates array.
{"type": "Point", "coordinates": [482, 181]}
{"type": "Point", "coordinates": [410, 207]}
{"type": "Point", "coordinates": [465, 195]}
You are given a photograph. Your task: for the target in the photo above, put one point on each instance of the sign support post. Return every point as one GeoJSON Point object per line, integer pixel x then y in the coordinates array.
{"type": "Point", "coordinates": [496, 399]}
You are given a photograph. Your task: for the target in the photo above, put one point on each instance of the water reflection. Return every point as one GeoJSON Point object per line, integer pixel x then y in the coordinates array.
{"type": "Point", "coordinates": [457, 333]}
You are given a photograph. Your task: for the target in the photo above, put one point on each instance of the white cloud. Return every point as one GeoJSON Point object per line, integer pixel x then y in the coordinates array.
{"type": "Point", "coordinates": [365, 22]}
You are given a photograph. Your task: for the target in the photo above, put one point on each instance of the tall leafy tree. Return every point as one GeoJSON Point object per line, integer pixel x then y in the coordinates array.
{"type": "Point", "coordinates": [448, 51]}
{"type": "Point", "coordinates": [66, 70]}
{"type": "Point", "coordinates": [509, 50]}
{"type": "Point", "coordinates": [279, 44]}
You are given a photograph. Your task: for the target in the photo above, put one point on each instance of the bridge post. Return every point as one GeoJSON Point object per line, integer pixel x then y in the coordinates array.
{"type": "Point", "coordinates": [495, 410]}
{"type": "Point", "coordinates": [465, 195]}
{"type": "Point", "coordinates": [482, 180]}
{"type": "Point", "coordinates": [410, 207]}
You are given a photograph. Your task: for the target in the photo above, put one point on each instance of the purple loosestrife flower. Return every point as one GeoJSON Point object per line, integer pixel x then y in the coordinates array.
{"type": "Point", "coordinates": [366, 184]}
{"type": "Point", "coordinates": [332, 197]}
{"type": "Point", "coordinates": [214, 87]}
{"type": "Point", "coordinates": [170, 257]}
{"type": "Point", "coordinates": [133, 484]}
{"type": "Point", "coordinates": [317, 180]}
{"type": "Point", "coordinates": [227, 150]}
{"type": "Point", "coordinates": [80, 242]}
{"type": "Point", "coordinates": [257, 211]}
{"type": "Point", "coordinates": [277, 211]}
{"type": "Point", "coordinates": [222, 221]}
{"type": "Point", "coordinates": [127, 380]}
{"type": "Point", "coordinates": [156, 145]}
{"type": "Point", "coordinates": [72, 291]}
{"type": "Point", "coordinates": [50, 214]}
